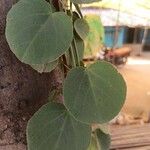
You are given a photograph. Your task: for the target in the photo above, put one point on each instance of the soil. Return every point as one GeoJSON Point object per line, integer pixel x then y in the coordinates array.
{"type": "Point", "coordinates": [136, 72]}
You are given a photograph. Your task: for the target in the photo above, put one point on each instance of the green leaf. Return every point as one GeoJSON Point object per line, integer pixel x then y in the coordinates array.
{"type": "Point", "coordinates": [53, 128]}
{"type": "Point", "coordinates": [80, 49]}
{"type": "Point", "coordinates": [94, 94]}
{"type": "Point", "coordinates": [45, 67]}
{"type": "Point", "coordinates": [35, 34]}
{"type": "Point", "coordinates": [81, 28]}
{"type": "Point", "coordinates": [95, 38]}
{"type": "Point", "coordinates": [103, 139]}
{"type": "Point", "coordinates": [84, 1]}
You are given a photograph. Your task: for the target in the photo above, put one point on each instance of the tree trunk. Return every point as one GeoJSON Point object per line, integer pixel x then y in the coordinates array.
{"type": "Point", "coordinates": [22, 91]}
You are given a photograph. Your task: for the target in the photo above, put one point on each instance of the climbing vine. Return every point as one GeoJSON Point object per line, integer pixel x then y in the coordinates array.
{"type": "Point", "coordinates": [45, 36]}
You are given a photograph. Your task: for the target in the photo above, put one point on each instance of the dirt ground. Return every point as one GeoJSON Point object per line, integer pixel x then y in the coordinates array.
{"type": "Point", "coordinates": [137, 75]}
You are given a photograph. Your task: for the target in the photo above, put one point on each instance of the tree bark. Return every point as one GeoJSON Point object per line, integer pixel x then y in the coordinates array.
{"type": "Point", "coordinates": [22, 91]}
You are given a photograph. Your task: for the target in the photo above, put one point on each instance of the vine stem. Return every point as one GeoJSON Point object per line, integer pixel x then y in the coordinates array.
{"type": "Point", "coordinates": [64, 64]}
{"type": "Point", "coordinates": [73, 44]}
{"type": "Point", "coordinates": [72, 56]}
{"type": "Point", "coordinates": [78, 10]}
{"type": "Point", "coordinates": [97, 142]}
{"type": "Point", "coordinates": [76, 52]}
{"type": "Point", "coordinates": [71, 8]}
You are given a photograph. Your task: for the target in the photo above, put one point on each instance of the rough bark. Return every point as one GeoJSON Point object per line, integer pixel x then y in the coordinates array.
{"type": "Point", "coordinates": [22, 91]}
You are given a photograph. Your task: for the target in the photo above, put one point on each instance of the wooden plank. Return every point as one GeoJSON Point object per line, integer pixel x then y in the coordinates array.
{"type": "Point", "coordinates": [132, 136]}
{"type": "Point", "coordinates": [138, 148]}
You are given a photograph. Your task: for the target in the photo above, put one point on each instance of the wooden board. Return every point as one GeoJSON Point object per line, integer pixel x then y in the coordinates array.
{"type": "Point", "coordinates": [132, 137]}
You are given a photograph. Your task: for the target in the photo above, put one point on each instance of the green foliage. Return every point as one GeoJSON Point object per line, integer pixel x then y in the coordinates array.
{"type": "Point", "coordinates": [44, 39]}
{"type": "Point", "coordinates": [95, 97]}
{"type": "Point", "coordinates": [53, 128]}
{"type": "Point", "coordinates": [95, 38]}
{"type": "Point", "coordinates": [78, 43]}
{"type": "Point", "coordinates": [81, 28]}
{"type": "Point", "coordinates": [35, 34]}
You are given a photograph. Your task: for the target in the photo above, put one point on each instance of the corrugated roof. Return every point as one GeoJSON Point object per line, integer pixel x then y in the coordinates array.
{"type": "Point", "coordinates": [121, 12]}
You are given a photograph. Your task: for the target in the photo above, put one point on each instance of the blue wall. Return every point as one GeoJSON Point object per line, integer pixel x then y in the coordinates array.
{"type": "Point", "coordinates": [110, 36]}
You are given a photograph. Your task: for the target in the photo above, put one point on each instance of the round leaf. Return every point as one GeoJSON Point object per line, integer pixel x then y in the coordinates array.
{"type": "Point", "coordinates": [35, 34]}
{"type": "Point", "coordinates": [95, 94]}
{"type": "Point", "coordinates": [53, 128]}
{"type": "Point", "coordinates": [45, 67]}
{"type": "Point", "coordinates": [81, 28]}
{"type": "Point", "coordinates": [84, 1]}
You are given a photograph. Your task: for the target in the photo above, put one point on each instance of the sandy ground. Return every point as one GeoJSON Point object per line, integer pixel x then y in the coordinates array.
{"type": "Point", "coordinates": [137, 75]}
